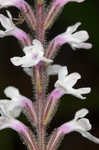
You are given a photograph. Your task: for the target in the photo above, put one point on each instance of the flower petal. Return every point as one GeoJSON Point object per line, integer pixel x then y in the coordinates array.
{"type": "Point", "coordinates": [78, 92]}
{"type": "Point", "coordinates": [62, 73]}
{"type": "Point", "coordinates": [28, 71]}
{"type": "Point", "coordinates": [4, 105]}
{"type": "Point", "coordinates": [17, 61]}
{"type": "Point", "coordinates": [79, 1]}
{"type": "Point", "coordinates": [81, 113]}
{"type": "Point", "coordinates": [81, 91]}
{"type": "Point", "coordinates": [37, 45]}
{"type": "Point", "coordinates": [73, 28]}
{"type": "Point", "coordinates": [63, 2]}
{"type": "Point", "coordinates": [44, 59]}
{"type": "Point", "coordinates": [7, 3]}
{"type": "Point", "coordinates": [27, 49]}
{"type": "Point", "coordinates": [11, 92]}
{"type": "Point", "coordinates": [6, 22]}
{"type": "Point", "coordinates": [84, 123]}
{"type": "Point", "coordinates": [2, 34]}
{"type": "Point", "coordinates": [81, 36]}
{"type": "Point", "coordinates": [90, 137]}
{"type": "Point", "coordinates": [11, 108]}
{"type": "Point", "coordinates": [82, 45]}
{"type": "Point", "coordinates": [71, 79]}
{"type": "Point", "coordinates": [4, 123]}
{"type": "Point", "coordinates": [15, 109]}
{"type": "Point", "coordinates": [53, 69]}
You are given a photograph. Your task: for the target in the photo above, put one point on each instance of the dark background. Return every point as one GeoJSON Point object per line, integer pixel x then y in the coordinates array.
{"type": "Point", "coordinates": [86, 62]}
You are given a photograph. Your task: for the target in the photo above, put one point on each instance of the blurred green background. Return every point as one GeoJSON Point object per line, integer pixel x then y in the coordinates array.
{"type": "Point", "coordinates": [86, 62]}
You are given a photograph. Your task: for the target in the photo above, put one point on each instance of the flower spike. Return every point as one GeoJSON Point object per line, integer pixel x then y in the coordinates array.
{"type": "Point", "coordinates": [79, 124]}
{"type": "Point", "coordinates": [66, 82]}
{"type": "Point", "coordinates": [36, 63]}
{"type": "Point", "coordinates": [76, 40]}
{"type": "Point", "coordinates": [33, 55]}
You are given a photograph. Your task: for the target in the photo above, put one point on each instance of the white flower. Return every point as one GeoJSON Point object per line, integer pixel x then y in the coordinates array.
{"type": "Point", "coordinates": [28, 71]}
{"type": "Point", "coordinates": [13, 107]}
{"type": "Point", "coordinates": [12, 30]}
{"type": "Point", "coordinates": [79, 124]}
{"type": "Point", "coordinates": [7, 3]}
{"type": "Point", "coordinates": [33, 55]}
{"type": "Point", "coordinates": [8, 24]}
{"type": "Point", "coordinates": [51, 70]}
{"type": "Point", "coordinates": [10, 109]}
{"type": "Point", "coordinates": [66, 82]}
{"type": "Point", "coordinates": [76, 40]}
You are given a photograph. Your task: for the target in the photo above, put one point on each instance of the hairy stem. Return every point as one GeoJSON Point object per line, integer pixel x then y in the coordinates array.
{"type": "Point", "coordinates": [39, 75]}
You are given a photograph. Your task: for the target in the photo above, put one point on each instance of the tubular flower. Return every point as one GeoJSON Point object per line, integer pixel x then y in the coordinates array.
{"type": "Point", "coordinates": [9, 109]}
{"type": "Point", "coordinates": [75, 40]}
{"type": "Point", "coordinates": [33, 55]}
{"type": "Point", "coordinates": [11, 29]}
{"type": "Point", "coordinates": [17, 104]}
{"type": "Point", "coordinates": [66, 82]}
{"type": "Point", "coordinates": [79, 124]}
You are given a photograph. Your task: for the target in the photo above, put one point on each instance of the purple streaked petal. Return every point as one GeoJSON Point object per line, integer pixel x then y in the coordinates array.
{"type": "Point", "coordinates": [51, 104]}
{"type": "Point", "coordinates": [21, 36]}
{"type": "Point", "coordinates": [56, 94]}
{"type": "Point", "coordinates": [24, 132]}
{"type": "Point", "coordinates": [29, 110]}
